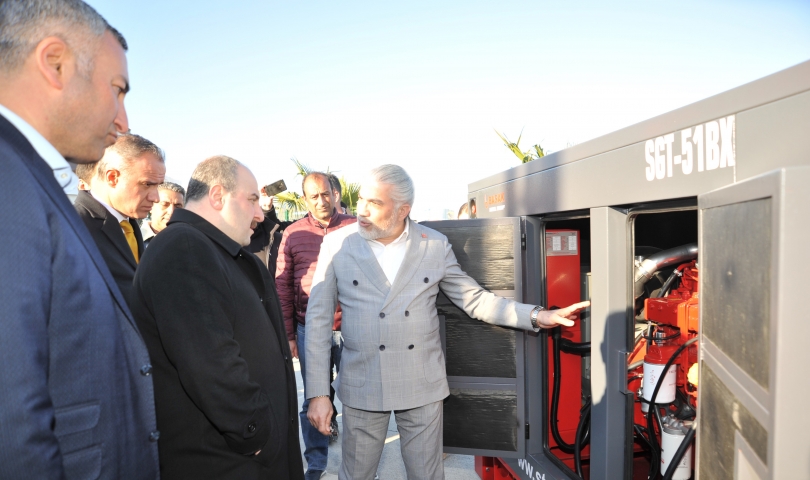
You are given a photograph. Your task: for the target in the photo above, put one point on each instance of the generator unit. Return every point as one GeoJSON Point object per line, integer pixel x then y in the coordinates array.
{"type": "Point", "coordinates": [689, 234]}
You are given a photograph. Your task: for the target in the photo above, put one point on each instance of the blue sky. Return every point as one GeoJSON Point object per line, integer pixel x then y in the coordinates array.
{"type": "Point", "coordinates": [351, 85]}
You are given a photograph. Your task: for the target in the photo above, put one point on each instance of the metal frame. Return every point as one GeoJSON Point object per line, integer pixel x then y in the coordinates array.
{"type": "Point", "coordinates": [605, 177]}
{"type": "Point", "coordinates": [517, 384]}
{"type": "Point", "coordinates": [789, 191]}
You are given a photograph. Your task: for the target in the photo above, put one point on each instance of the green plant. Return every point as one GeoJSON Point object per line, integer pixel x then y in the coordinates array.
{"type": "Point", "coordinates": [514, 147]}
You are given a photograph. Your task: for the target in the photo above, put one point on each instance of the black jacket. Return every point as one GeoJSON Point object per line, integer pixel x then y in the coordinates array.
{"type": "Point", "coordinates": [110, 239]}
{"type": "Point", "coordinates": [223, 374]}
{"type": "Point", "coordinates": [266, 238]}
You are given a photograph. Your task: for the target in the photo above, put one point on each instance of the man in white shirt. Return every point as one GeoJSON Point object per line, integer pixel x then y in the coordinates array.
{"type": "Point", "coordinates": [76, 388]}
{"type": "Point", "coordinates": [123, 190]}
{"type": "Point", "coordinates": [386, 273]}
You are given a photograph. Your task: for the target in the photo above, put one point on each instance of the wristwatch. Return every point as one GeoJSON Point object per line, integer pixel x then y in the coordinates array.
{"type": "Point", "coordinates": [536, 311]}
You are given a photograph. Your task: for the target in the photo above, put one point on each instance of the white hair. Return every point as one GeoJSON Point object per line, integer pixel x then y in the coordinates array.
{"type": "Point", "coordinates": [396, 176]}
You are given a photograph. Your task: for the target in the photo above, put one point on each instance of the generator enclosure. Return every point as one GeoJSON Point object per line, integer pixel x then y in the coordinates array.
{"type": "Point", "coordinates": [689, 234]}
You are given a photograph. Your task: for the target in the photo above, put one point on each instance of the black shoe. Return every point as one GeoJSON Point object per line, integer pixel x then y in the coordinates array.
{"type": "Point", "coordinates": [335, 431]}
{"type": "Point", "coordinates": [313, 474]}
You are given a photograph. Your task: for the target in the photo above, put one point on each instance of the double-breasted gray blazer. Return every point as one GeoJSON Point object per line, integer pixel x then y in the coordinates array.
{"type": "Point", "coordinates": [392, 355]}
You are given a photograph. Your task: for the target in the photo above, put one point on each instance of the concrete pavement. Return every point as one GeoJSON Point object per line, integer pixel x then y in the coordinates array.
{"type": "Point", "coordinates": [456, 467]}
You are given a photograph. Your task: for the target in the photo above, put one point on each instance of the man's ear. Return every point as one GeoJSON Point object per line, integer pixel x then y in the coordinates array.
{"type": "Point", "coordinates": [111, 177]}
{"type": "Point", "coordinates": [403, 212]}
{"type": "Point", "coordinates": [54, 61]}
{"type": "Point", "coordinates": [216, 197]}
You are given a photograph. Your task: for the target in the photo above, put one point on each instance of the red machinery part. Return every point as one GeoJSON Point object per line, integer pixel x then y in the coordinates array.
{"type": "Point", "coordinates": [563, 288]}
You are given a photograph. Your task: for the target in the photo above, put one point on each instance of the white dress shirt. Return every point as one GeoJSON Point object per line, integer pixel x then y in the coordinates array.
{"type": "Point", "coordinates": [115, 213]}
{"type": "Point", "coordinates": [61, 168]}
{"type": "Point", "coordinates": [390, 256]}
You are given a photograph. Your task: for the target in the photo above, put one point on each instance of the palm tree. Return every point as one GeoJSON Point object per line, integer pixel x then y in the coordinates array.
{"type": "Point", "coordinates": [290, 200]}
{"type": "Point", "coordinates": [527, 156]}
{"type": "Point", "coordinates": [350, 193]}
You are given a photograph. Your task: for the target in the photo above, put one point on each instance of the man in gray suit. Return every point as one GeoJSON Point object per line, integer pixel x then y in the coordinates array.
{"type": "Point", "coordinates": [386, 272]}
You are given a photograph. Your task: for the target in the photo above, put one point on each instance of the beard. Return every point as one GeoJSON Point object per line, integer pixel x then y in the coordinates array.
{"type": "Point", "coordinates": [384, 229]}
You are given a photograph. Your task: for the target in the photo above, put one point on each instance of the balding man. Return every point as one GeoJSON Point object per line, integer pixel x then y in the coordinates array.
{"type": "Point", "coordinates": [172, 197]}
{"type": "Point", "coordinates": [208, 310]}
{"type": "Point", "coordinates": [124, 189]}
{"type": "Point", "coordinates": [75, 391]}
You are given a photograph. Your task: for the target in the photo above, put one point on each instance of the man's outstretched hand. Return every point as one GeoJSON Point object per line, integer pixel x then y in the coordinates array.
{"type": "Point", "coordinates": [562, 316]}
{"type": "Point", "coordinates": [320, 414]}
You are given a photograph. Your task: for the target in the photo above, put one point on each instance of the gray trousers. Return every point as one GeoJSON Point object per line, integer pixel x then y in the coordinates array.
{"type": "Point", "coordinates": [420, 439]}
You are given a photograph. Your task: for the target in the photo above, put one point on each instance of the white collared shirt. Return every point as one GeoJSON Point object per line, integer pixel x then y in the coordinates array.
{"type": "Point", "coordinates": [115, 213]}
{"type": "Point", "coordinates": [390, 256]}
{"type": "Point", "coordinates": [61, 168]}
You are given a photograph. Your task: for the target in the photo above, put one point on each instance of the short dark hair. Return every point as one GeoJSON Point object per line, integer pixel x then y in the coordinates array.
{"type": "Point", "coordinates": [172, 187]}
{"type": "Point", "coordinates": [309, 175]}
{"type": "Point", "coordinates": [85, 171]}
{"type": "Point", "coordinates": [333, 179]}
{"type": "Point", "coordinates": [129, 147]}
{"type": "Point", "coordinates": [25, 23]}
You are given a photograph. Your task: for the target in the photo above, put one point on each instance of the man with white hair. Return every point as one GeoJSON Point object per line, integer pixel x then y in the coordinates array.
{"type": "Point", "coordinates": [75, 388]}
{"type": "Point", "coordinates": [386, 273]}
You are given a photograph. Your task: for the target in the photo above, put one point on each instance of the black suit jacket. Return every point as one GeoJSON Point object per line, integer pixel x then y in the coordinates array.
{"type": "Point", "coordinates": [224, 380]}
{"type": "Point", "coordinates": [75, 391]}
{"type": "Point", "coordinates": [108, 235]}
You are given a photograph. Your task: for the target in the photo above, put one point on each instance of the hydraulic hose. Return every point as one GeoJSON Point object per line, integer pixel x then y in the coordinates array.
{"type": "Point", "coordinates": [650, 411]}
{"type": "Point", "coordinates": [575, 348]}
{"type": "Point", "coordinates": [555, 393]}
{"type": "Point", "coordinates": [582, 436]}
{"type": "Point", "coordinates": [679, 453]}
{"type": "Point", "coordinates": [668, 283]}
{"type": "Point", "coordinates": [659, 260]}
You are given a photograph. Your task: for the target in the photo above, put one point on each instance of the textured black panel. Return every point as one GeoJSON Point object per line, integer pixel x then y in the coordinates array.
{"type": "Point", "coordinates": [736, 276]}
{"type": "Point", "coordinates": [486, 253]}
{"type": "Point", "coordinates": [484, 419]}
{"type": "Point", "coordinates": [475, 348]}
{"type": "Point", "coordinates": [721, 415]}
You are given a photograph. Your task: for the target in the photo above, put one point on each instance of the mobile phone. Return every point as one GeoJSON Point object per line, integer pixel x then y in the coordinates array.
{"type": "Point", "coordinates": [275, 188]}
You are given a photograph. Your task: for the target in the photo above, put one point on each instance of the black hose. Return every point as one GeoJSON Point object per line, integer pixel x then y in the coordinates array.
{"type": "Point", "coordinates": [679, 453]}
{"type": "Point", "coordinates": [555, 393]}
{"type": "Point", "coordinates": [668, 283]}
{"type": "Point", "coordinates": [581, 439]}
{"type": "Point", "coordinates": [650, 427]}
{"type": "Point", "coordinates": [575, 348]}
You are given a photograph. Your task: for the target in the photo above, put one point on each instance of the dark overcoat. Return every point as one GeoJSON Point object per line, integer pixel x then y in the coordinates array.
{"type": "Point", "coordinates": [110, 239]}
{"type": "Point", "coordinates": [224, 380]}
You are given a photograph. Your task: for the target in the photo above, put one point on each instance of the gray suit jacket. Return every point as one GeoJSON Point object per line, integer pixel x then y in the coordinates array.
{"type": "Point", "coordinates": [392, 355]}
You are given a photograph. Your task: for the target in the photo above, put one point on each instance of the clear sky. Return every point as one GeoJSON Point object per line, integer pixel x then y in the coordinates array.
{"type": "Point", "coordinates": [350, 85]}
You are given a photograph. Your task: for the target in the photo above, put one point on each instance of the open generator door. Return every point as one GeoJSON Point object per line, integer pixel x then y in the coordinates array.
{"type": "Point", "coordinates": [485, 413]}
{"type": "Point", "coordinates": [754, 329]}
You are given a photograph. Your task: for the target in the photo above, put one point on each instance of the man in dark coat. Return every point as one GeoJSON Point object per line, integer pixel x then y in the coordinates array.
{"type": "Point", "coordinates": [123, 190]}
{"type": "Point", "coordinates": [225, 389]}
{"type": "Point", "coordinates": [75, 391]}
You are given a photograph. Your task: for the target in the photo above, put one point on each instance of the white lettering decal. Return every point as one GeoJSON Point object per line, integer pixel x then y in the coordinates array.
{"type": "Point", "coordinates": [649, 147]}
{"type": "Point", "coordinates": [669, 139]}
{"type": "Point", "coordinates": [660, 166]}
{"type": "Point", "coordinates": [712, 146]}
{"type": "Point", "coordinates": [727, 141]}
{"type": "Point", "coordinates": [686, 151]}
{"type": "Point", "coordinates": [714, 142]}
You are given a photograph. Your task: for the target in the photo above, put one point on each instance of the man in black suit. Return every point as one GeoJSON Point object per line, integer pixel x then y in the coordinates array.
{"type": "Point", "coordinates": [124, 189]}
{"type": "Point", "coordinates": [76, 396]}
{"type": "Point", "coordinates": [225, 389]}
